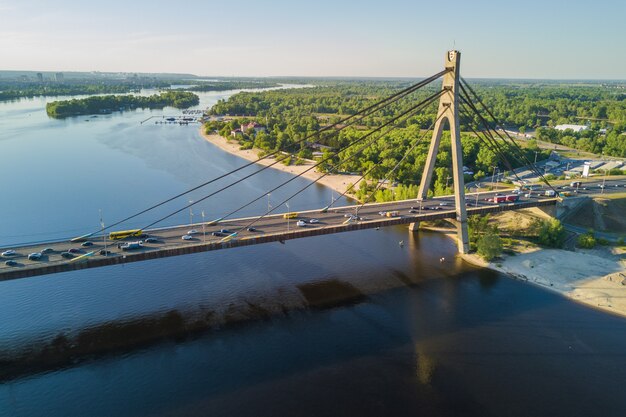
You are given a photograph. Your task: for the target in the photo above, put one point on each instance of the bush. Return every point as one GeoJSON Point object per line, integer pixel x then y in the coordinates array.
{"type": "Point", "coordinates": [551, 233]}
{"type": "Point", "coordinates": [489, 246]}
{"type": "Point", "coordinates": [586, 241]}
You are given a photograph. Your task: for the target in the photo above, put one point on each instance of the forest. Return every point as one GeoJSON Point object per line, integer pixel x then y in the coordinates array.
{"type": "Point", "coordinates": [292, 114]}
{"type": "Point", "coordinates": [109, 103]}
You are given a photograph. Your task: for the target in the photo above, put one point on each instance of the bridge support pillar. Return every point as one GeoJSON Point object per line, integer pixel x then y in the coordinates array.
{"type": "Point", "coordinates": [414, 227]}
{"type": "Point", "coordinates": [449, 111]}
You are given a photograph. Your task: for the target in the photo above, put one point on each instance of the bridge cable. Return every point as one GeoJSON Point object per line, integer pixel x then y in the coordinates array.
{"type": "Point", "coordinates": [416, 108]}
{"type": "Point", "coordinates": [413, 108]}
{"type": "Point", "coordinates": [362, 113]}
{"type": "Point", "coordinates": [522, 159]}
{"type": "Point", "coordinates": [404, 115]}
{"type": "Point", "coordinates": [531, 164]}
{"type": "Point", "coordinates": [406, 154]}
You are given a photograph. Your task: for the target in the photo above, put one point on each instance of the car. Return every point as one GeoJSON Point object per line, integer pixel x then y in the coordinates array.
{"type": "Point", "coordinates": [313, 221]}
{"type": "Point", "coordinates": [75, 250]}
{"type": "Point", "coordinates": [300, 223]}
{"type": "Point", "coordinates": [528, 195]}
{"type": "Point", "coordinates": [217, 234]}
{"type": "Point", "coordinates": [35, 256]}
{"type": "Point", "coordinates": [350, 215]}
{"type": "Point", "coordinates": [413, 211]}
{"type": "Point", "coordinates": [226, 231]}
{"type": "Point", "coordinates": [68, 255]}
{"type": "Point", "coordinates": [102, 252]}
{"type": "Point", "coordinates": [192, 232]}
{"type": "Point", "coordinates": [10, 262]}
{"type": "Point", "coordinates": [445, 203]}
{"type": "Point", "coordinates": [186, 237]}
{"type": "Point", "coordinates": [151, 240]}
{"type": "Point", "coordinates": [9, 252]}
{"type": "Point", "coordinates": [382, 213]}
{"type": "Point", "coordinates": [87, 243]}
{"type": "Point", "coordinates": [47, 250]}
{"type": "Point", "coordinates": [251, 229]}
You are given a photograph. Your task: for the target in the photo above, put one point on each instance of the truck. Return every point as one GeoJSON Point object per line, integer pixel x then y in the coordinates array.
{"type": "Point", "coordinates": [131, 245]}
{"type": "Point", "coordinates": [499, 199]}
{"type": "Point", "coordinates": [392, 214]}
{"type": "Point", "coordinates": [512, 197]}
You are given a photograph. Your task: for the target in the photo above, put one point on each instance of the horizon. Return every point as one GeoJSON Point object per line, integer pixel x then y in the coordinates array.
{"type": "Point", "coordinates": [329, 77]}
{"type": "Point", "coordinates": [533, 40]}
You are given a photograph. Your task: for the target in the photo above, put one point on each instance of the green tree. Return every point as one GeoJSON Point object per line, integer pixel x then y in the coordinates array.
{"type": "Point", "coordinates": [489, 245]}
{"type": "Point", "coordinates": [551, 233]}
{"type": "Point", "coordinates": [586, 241]}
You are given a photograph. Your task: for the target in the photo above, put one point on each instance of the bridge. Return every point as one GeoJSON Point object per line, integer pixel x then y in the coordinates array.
{"type": "Point", "coordinates": [456, 97]}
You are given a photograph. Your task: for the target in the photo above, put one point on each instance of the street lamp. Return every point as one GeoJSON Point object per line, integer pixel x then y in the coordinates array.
{"type": "Point", "coordinates": [190, 213]}
{"type": "Point", "coordinates": [493, 176]}
{"type": "Point", "coordinates": [288, 215]}
{"type": "Point", "coordinates": [203, 232]}
{"type": "Point", "coordinates": [447, 181]}
{"type": "Point", "coordinates": [269, 206]}
{"type": "Point", "coordinates": [476, 204]}
{"type": "Point", "coordinates": [536, 152]}
{"type": "Point", "coordinates": [104, 238]}
{"type": "Point", "coordinates": [604, 181]}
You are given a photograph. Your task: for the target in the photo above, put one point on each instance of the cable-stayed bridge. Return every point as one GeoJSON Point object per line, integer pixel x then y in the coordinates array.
{"type": "Point", "coordinates": [455, 99]}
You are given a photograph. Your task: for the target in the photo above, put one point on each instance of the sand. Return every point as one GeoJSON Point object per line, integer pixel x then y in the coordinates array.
{"type": "Point", "coordinates": [338, 183]}
{"type": "Point", "coordinates": [594, 277]}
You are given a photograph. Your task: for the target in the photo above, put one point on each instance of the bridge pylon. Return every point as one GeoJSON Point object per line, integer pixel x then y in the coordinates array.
{"type": "Point", "coordinates": [449, 111]}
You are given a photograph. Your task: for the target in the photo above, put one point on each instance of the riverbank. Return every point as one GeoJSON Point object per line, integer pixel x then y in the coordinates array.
{"type": "Point", "coordinates": [596, 278]}
{"type": "Point", "coordinates": [339, 183]}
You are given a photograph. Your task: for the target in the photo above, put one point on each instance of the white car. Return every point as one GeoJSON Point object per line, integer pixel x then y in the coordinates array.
{"type": "Point", "coordinates": [186, 237]}
{"type": "Point", "coordinates": [192, 232]}
{"type": "Point", "coordinates": [301, 223]}
{"type": "Point", "coordinates": [313, 221]}
{"type": "Point", "coordinates": [9, 252]}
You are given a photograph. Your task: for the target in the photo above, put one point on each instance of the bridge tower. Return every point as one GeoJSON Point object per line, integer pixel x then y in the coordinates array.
{"type": "Point", "coordinates": [449, 111]}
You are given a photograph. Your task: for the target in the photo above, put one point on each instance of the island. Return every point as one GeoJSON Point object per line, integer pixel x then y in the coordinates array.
{"type": "Point", "coordinates": [109, 103]}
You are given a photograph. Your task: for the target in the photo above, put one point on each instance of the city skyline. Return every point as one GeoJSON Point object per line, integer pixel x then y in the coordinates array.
{"type": "Point", "coordinates": [533, 40]}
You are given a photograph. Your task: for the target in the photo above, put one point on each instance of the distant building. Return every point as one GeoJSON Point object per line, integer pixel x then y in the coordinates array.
{"type": "Point", "coordinates": [320, 147]}
{"type": "Point", "coordinates": [575, 128]}
{"type": "Point", "coordinates": [40, 77]}
{"type": "Point", "coordinates": [252, 126]}
{"type": "Point", "coordinates": [58, 77]}
{"type": "Point", "coordinates": [236, 132]}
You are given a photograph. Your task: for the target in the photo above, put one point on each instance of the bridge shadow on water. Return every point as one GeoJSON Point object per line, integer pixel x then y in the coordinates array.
{"type": "Point", "coordinates": [447, 340]}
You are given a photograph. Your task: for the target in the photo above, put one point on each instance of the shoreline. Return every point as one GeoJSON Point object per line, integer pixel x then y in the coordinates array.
{"type": "Point", "coordinates": [337, 182]}
{"type": "Point", "coordinates": [601, 286]}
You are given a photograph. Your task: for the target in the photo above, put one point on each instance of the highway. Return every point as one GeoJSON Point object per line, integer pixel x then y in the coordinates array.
{"type": "Point", "coordinates": [271, 228]}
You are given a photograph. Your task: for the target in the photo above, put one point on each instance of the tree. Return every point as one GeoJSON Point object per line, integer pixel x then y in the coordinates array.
{"type": "Point", "coordinates": [586, 241]}
{"type": "Point", "coordinates": [489, 245]}
{"type": "Point", "coordinates": [551, 233]}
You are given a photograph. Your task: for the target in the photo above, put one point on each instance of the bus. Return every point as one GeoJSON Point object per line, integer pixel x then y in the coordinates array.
{"type": "Point", "coordinates": [291, 215]}
{"type": "Point", "coordinates": [123, 234]}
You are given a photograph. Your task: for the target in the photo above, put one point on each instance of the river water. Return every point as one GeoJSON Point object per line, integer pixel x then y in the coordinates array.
{"type": "Point", "coordinates": [421, 337]}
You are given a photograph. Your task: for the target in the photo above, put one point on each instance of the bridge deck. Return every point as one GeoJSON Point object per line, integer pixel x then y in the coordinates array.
{"type": "Point", "coordinates": [270, 229]}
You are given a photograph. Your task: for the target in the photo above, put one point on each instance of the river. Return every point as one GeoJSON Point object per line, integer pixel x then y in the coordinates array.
{"type": "Point", "coordinates": [419, 336]}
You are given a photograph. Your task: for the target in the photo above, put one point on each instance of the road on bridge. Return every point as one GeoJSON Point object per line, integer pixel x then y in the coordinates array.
{"type": "Point", "coordinates": [169, 240]}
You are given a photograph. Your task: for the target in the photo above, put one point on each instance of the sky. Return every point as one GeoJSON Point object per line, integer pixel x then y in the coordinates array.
{"type": "Point", "coordinates": [548, 39]}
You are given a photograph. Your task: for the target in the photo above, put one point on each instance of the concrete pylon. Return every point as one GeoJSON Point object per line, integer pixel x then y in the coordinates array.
{"type": "Point", "coordinates": [449, 111]}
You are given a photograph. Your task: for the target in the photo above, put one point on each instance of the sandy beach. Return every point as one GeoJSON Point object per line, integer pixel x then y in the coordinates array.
{"type": "Point", "coordinates": [596, 277]}
{"type": "Point", "coordinates": [338, 183]}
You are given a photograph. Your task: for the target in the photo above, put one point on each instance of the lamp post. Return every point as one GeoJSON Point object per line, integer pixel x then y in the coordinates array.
{"type": "Point", "coordinates": [104, 238]}
{"type": "Point", "coordinates": [203, 232]}
{"type": "Point", "coordinates": [288, 215]}
{"type": "Point", "coordinates": [536, 152]}
{"type": "Point", "coordinates": [476, 204]}
{"type": "Point", "coordinates": [493, 176]}
{"type": "Point", "coordinates": [269, 206]}
{"type": "Point", "coordinates": [447, 181]}
{"type": "Point", "coordinates": [190, 213]}
{"type": "Point", "coordinates": [603, 181]}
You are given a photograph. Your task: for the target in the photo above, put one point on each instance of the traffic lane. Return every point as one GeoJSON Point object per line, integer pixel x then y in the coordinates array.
{"type": "Point", "coordinates": [271, 224]}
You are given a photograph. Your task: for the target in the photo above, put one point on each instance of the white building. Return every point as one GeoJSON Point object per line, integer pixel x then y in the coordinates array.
{"type": "Point", "coordinates": [575, 128]}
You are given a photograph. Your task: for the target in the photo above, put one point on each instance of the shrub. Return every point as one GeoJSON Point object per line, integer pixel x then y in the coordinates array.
{"type": "Point", "coordinates": [489, 246]}
{"type": "Point", "coordinates": [586, 241]}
